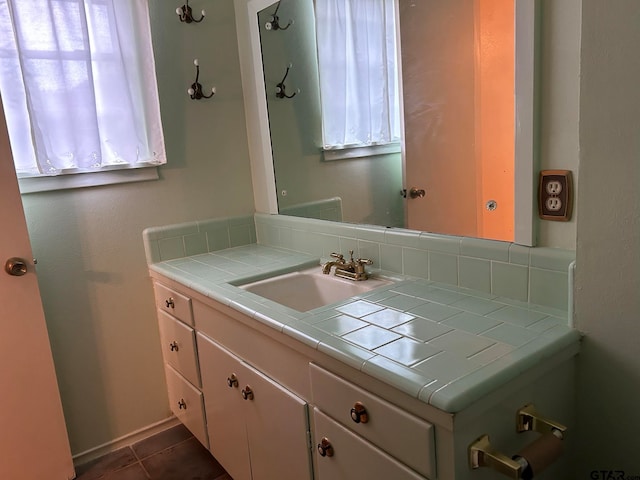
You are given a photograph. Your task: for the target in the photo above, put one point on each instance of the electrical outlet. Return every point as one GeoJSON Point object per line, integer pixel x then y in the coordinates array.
{"type": "Point", "coordinates": [553, 204]}
{"type": "Point", "coordinates": [555, 195]}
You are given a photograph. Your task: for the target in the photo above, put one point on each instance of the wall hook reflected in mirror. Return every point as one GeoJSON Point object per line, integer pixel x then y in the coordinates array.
{"type": "Point", "coordinates": [281, 89]}
{"type": "Point", "coordinates": [185, 13]}
{"type": "Point", "coordinates": [195, 91]}
{"type": "Point", "coordinates": [274, 23]}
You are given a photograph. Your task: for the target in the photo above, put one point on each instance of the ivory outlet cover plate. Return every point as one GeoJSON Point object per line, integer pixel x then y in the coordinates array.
{"type": "Point", "coordinates": [555, 195]}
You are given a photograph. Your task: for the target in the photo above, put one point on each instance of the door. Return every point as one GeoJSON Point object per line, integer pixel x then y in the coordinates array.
{"type": "Point", "coordinates": [33, 435]}
{"type": "Point", "coordinates": [458, 119]}
{"type": "Point", "coordinates": [277, 428]}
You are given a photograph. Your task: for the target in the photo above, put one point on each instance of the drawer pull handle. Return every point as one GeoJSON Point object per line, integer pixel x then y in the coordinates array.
{"type": "Point", "coordinates": [170, 303]}
{"type": "Point", "coordinates": [247, 393]}
{"type": "Point", "coordinates": [232, 380]}
{"type": "Point", "coordinates": [182, 405]}
{"type": "Point", "coordinates": [325, 449]}
{"type": "Point", "coordinates": [174, 346]}
{"type": "Point", "coordinates": [359, 413]}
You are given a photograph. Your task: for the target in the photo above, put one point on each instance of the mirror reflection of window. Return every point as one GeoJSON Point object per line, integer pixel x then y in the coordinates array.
{"type": "Point", "coordinates": [358, 67]}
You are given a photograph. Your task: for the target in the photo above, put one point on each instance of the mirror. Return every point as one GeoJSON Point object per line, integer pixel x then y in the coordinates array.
{"type": "Point", "coordinates": [286, 132]}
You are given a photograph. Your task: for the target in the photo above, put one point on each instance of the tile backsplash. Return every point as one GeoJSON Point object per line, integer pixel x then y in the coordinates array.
{"type": "Point", "coordinates": [537, 275]}
{"type": "Point", "coordinates": [193, 238]}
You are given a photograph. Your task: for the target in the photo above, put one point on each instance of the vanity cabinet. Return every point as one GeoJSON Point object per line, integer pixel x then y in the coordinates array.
{"type": "Point", "coordinates": [257, 429]}
{"type": "Point", "coordinates": [271, 405]}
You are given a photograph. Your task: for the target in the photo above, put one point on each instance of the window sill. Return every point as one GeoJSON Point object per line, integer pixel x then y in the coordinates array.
{"type": "Point", "coordinates": [359, 152]}
{"type": "Point", "coordinates": [90, 179]}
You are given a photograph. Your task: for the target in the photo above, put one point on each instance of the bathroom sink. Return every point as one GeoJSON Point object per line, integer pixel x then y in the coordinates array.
{"type": "Point", "coordinates": [307, 289]}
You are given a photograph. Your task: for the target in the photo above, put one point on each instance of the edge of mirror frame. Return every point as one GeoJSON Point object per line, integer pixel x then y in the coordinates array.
{"type": "Point", "coordinates": [526, 114]}
{"type": "Point", "coordinates": [255, 105]}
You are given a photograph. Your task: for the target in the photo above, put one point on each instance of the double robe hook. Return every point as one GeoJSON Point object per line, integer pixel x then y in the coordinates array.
{"type": "Point", "coordinates": [281, 89]}
{"type": "Point", "coordinates": [274, 23]}
{"type": "Point", "coordinates": [185, 13]}
{"type": "Point", "coordinates": [195, 91]}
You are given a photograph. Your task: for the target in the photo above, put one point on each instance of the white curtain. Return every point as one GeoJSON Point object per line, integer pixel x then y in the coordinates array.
{"type": "Point", "coordinates": [77, 79]}
{"type": "Point", "coordinates": [358, 72]}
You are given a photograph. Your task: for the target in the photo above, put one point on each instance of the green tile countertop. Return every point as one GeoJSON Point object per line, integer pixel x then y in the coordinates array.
{"type": "Point", "coordinates": [446, 345]}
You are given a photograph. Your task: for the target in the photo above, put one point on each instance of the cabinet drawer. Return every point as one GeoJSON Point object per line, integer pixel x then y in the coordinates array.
{"type": "Point", "coordinates": [187, 404]}
{"type": "Point", "coordinates": [351, 457]}
{"type": "Point", "coordinates": [404, 436]}
{"type": "Point", "coordinates": [174, 303]}
{"type": "Point", "coordinates": [178, 347]}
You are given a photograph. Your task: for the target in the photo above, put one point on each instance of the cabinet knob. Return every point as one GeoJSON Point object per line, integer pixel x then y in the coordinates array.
{"type": "Point", "coordinates": [359, 413]}
{"type": "Point", "coordinates": [16, 266]}
{"type": "Point", "coordinates": [170, 303]}
{"type": "Point", "coordinates": [173, 346]}
{"type": "Point", "coordinates": [247, 393]}
{"type": "Point", "coordinates": [325, 449]}
{"type": "Point", "coordinates": [182, 405]}
{"type": "Point", "coordinates": [232, 380]}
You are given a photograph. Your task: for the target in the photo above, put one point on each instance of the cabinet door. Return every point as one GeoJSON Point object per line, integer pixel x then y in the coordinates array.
{"type": "Point", "coordinates": [264, 436]}
{"type": "Point", "coordinates": [353, 458]}
{"type": "Point", "coordinates": [278, 430]}
{"type": "Point", "coordinates": [224, 408]}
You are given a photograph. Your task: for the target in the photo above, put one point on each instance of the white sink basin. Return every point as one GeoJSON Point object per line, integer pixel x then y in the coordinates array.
{"type": "Point", "coordinates": [308, 289]}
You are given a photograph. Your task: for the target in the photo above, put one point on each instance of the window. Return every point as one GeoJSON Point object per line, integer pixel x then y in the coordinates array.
{"type": "Point", "coordinates": [77, 80]}
{"type": "Point", "coordinates": [357, 58]}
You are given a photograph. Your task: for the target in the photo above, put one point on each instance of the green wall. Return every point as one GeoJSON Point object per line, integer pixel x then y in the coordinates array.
{"type": "Point", "coordinates": [96, 292]}
{"type": "Point", "coordinates": [608, 248]}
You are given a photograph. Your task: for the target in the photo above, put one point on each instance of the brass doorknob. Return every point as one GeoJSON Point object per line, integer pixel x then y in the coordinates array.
{"type": "Point", "coordinates": [16, 266]}
{"type": "Point", "coordinates": [416, 192]}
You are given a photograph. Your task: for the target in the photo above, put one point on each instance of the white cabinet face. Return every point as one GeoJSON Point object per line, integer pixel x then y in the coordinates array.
{"type": "Point", "coordinates": [343, 455]}
{"type": "Point", "coordinates": [258, 430]}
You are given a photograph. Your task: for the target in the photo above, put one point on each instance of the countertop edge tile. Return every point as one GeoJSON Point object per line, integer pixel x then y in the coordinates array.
{"type": "Point", "coordinates": [397, 375]}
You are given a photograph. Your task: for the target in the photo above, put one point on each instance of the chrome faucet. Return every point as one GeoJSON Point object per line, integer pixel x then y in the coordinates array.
{"type": "Point", "coordinates": [352, 270]}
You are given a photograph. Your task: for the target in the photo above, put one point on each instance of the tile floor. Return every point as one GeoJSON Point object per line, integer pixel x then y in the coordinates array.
{"type": "Point", "coordinates": [173, 454]}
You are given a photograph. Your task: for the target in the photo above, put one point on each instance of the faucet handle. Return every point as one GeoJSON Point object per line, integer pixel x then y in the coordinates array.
{"type": "Point", "coordinates": [339, 256]}
{"type": "Point", "coordinates": [364, 261]}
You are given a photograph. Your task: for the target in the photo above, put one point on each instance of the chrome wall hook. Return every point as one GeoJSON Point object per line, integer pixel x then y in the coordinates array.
{"type": "Point", "coordinates": [195, 91]}
{"type": "Point", "coordinates": [281, 89]}
{"type": "Point", "coordinates": [274, 23]}
{"type": "Point", "coordinates": [185, 13]}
